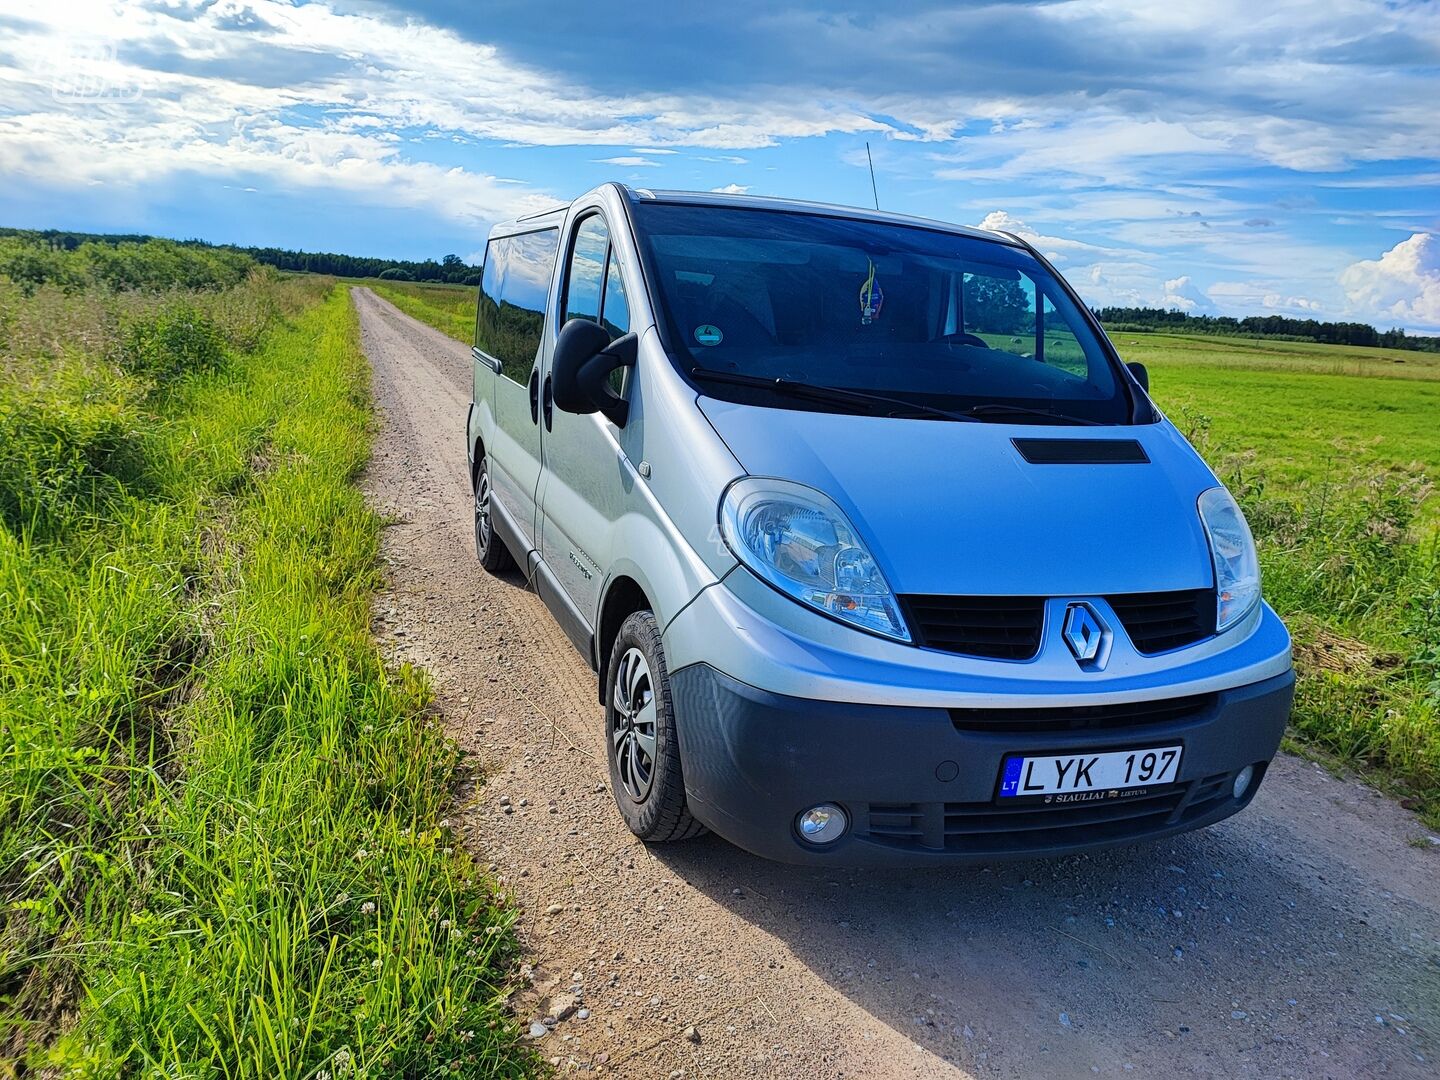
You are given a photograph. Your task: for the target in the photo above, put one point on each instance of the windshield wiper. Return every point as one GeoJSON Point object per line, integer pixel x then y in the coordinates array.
{"type": "Point", "coordinates": [996, 408]}
{"type": "Point", "coordinates": [835, 394]}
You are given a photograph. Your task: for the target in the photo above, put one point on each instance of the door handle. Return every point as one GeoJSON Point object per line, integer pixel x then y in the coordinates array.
{"type": "Point", "coordinates": [535, 395]}
{"type": "Point", "coordinates": [549, 404]}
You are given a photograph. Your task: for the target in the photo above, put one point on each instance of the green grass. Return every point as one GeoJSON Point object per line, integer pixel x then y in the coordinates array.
{"type": "Point", "coordinates": [1308, 412]}
{"type": "Point", "coordinates": [448, 308]}
{"type": "Point", "coordinates": [222, 850]}
{"type": "Point", "coordinates": [1332, 451]}
{"type": "Point", "coordinates": [1271, 354]}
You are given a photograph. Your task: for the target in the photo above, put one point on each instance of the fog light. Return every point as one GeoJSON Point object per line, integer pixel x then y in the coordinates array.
{"type": "Point", "coordinates": [823, 824]}
{"type": "Point", "coordinates": [1242, 780]}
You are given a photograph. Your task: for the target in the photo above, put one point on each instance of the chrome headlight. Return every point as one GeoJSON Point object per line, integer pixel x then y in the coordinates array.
{"type": "Point", "coordinates": [1232, 549]}
{"type": "Point", "coordinates": [799, 541]}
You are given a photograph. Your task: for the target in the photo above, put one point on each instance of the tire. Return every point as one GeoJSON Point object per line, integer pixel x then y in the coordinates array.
{"type": "Point", "coordinates": [489, 548]}
{"type": "Point", "coordinates": [640, 741]}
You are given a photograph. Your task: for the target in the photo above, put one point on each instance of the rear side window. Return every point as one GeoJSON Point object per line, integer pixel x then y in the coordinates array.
{"type": "Point", "coordinates": [513, 290]}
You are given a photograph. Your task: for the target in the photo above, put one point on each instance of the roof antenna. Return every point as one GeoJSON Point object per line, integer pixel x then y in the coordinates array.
{"type": "Point", "coordinates": [873, 190]}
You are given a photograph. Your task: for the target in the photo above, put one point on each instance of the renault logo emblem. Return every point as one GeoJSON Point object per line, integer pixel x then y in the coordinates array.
{"type": "Point", "coordinates": [1083, 633]}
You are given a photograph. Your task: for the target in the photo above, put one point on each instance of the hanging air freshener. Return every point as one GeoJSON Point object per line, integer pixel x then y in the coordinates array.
{"type": "Point", "coordinates": [871, 298]}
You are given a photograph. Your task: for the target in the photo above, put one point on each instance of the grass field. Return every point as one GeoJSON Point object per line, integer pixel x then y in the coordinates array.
{"type": "Point", "coordinates": [222, 844]}
{"type": "Point", "coordinates": [448, 308]}
{"type": "Point", "coordinates": [1331, 450]}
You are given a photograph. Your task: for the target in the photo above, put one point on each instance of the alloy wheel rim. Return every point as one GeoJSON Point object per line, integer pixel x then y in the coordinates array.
{"type": "Point", "coordinates": [482, 514]}
{"type": "Point", "coordinates": [632, 732]}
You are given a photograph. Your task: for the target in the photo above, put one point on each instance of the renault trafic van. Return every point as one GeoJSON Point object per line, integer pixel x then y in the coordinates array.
{"type": "Point", "coordinates": [880, 553]}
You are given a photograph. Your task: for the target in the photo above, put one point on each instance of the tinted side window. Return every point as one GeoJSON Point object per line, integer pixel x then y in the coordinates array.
{"type": "Point", "coordinates": [587, 270]}
{"type": "Point", "coordinates": [1000, 310]}
{"type": "Point", "coordinates": [1062, 349]}
{"type": "Point", "coordinates": [513, 289]}
{"type": "Point", "coordinates": [488, 306]}
{"type": "Point", "coordinates": [615, 317]}
{"type": "Point", "coordinates": [617, 309]}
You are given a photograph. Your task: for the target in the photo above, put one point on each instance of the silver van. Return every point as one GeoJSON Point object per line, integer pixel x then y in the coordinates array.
{"type": "Point", "coordinates": [880, 553]}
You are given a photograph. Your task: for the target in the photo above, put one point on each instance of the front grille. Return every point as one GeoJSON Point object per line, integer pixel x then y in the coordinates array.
{"type": "Point", "coordinates": [999, 627]}
{"type": "Point", "coordinates": [1159, 622]}
{"type": "Point", "coordinates": [1131, 714]}
{"type": "Point", "coordinates": [982, 828]}
{"type": "Point", "coordinates": [1009, 627]}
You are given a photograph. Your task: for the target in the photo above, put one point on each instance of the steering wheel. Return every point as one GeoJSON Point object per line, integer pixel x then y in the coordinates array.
{"type": "Point", "coordinates": [962, 338]}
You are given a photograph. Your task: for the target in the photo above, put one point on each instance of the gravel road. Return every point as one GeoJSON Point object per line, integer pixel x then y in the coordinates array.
{"type": "Point", "coordinates": [1301, 938]}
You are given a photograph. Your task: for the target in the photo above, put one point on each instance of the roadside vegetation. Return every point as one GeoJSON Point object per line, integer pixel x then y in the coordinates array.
{"type": "Point", "coordinates": [1332, 450]}
{"type": "Point", "coordinates": [222, 843]}
{"type": "Point", "coordinates": [448, 308]}
{"type": "Point", "coordinates": [1333, 453]}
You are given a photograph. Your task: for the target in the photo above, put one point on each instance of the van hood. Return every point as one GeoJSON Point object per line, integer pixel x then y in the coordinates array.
{"type": "Point", "coordinates": [954, 508]}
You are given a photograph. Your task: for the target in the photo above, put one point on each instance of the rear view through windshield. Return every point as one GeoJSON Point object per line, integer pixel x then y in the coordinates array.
{"type": "Point", "coordinates": [911, 314]}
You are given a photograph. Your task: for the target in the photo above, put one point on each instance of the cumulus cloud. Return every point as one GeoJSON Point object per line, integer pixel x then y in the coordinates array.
{"type": "Point", "coordinates": [1182, 294]}
{"type": "Point", "coordinates": [318, 96]}
{"type": "Point", "coordinates": [1402, 285]}
{"type": "Point", "coordinates": [731, 189]}
{"type": "Point", "coordinates": [1114, 144]}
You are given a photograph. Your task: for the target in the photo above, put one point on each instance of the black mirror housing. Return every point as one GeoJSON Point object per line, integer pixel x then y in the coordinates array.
{"type": "Point", "coordinates": [581, 365]}
{"type": "Point", "coordinates": [1142, 376]}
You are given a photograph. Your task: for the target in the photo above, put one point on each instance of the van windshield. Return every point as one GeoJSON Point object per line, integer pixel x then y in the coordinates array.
{"type": "Point", "coordinates": [942, 321]}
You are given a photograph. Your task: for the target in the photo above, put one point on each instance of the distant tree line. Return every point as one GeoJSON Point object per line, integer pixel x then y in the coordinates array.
{"type": "Point", "coordinates": [1143, 320]}
{"type": "Point", "coordinates": [451, 268]}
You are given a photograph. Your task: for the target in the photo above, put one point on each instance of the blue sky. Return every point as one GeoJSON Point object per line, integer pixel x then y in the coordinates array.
{"type": "Point", "coordinates": [1212, 155]}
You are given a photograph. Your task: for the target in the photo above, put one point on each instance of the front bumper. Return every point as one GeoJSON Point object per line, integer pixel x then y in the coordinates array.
{"type": "Point", "coordinates": [919, 783]}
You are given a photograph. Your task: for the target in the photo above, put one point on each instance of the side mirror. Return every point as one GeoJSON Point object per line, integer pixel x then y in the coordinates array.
{"type": "Point", "coordinates": [1141, 376]}
{"type": "Point", "coordinates": [581, 365]}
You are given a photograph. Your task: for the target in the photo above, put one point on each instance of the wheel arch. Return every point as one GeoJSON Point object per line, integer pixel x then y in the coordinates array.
{"type": "Point", "coordinates": [624, 596]}
{"type": "Point", "coordinates": [477, 451]}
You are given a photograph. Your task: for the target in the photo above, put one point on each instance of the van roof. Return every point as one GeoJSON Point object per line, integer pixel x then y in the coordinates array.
{"type": "Point", "coordinates": [763, 202]}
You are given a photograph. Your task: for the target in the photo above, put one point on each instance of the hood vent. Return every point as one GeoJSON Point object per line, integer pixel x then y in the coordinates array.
{"type": "Point", "coordinates": [1081, 451]}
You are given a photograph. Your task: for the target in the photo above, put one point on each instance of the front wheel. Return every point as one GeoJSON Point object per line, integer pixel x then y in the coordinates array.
{"type": "Point", "coordinates": [489, 548]}
{"type": "Point", "coordinates": [640, 737]}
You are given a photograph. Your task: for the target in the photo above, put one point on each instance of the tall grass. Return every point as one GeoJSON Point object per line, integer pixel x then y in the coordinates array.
{"type": "Point", "coordinates": [221, 843]}
{"type": "Point", "coordinates": [448, 308]}
{"type": "Point", "coordinates": [1350, 561]}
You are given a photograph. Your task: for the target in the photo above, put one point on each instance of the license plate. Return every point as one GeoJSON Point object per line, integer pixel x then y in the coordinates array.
{"type": "Point", "coordinates": [1089, 776]}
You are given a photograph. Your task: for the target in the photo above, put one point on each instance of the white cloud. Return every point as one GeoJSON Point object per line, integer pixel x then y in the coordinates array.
{"type": "Point", "coordinates": [627, 162]}
{"type": "Point", "coordinates": [1249, 297]}
{"type": "Point", "coordinates": [1181, 294]}
{"type": "Point", "coordinates": [1403, 285]}
{"type": "Point", "coordinates": [1282, 302]}
{"type": "Point", "coordinates": [1004, 221]}
{"type": "Point", "coordinates": [312, 96]}
{"type": "Point", "coordinates": [1124, 146]}
{"type": "Point", "coordinates": [731, 189]}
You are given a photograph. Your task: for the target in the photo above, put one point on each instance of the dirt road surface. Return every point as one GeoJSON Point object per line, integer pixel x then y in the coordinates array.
{"type": "Point", "coordinates": [1301, 938]}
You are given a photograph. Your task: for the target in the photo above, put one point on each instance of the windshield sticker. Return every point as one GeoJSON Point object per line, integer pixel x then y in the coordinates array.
{"type": "Point", "coordinates": [706, 334]}
{"type": "Point", "coordinates": [871, 298]}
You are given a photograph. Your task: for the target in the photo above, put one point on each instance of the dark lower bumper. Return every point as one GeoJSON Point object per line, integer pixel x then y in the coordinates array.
{"type": "Point", "coordinates": [919, 787]}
